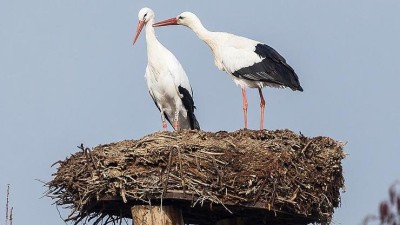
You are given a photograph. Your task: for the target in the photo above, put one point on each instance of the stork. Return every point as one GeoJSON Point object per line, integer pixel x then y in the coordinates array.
{"type": "Point", "coordinates": [167, 82]}
{"type": "Point", "coordinates": [250, 63]}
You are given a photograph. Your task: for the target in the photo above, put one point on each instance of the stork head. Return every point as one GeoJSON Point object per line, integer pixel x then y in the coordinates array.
{"type": "Point", "coordinates": [145, 15]}
{"type": "Point", "coordinates": [186, 18]}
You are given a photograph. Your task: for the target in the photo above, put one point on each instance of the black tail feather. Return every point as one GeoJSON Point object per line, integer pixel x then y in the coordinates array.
{"type": "Point", "coordinates": [188, 103]}
{"type": "Point", "coordinates": [194, 124]}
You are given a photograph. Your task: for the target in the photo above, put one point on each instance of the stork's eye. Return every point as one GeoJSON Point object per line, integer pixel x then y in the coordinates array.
{"type": "Point", "coordinates": [144, 15]}
{"type": "Point", "coordinates": [180, 17]}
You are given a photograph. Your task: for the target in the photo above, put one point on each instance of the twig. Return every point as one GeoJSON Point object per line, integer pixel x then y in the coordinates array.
{"type": "Point", "coordinates": [7, 202]}
{"type": "Point", "coordinates": [218, 172]}
{"type": "Point", "coordinates": [11, 216]}
{"type": "Point", "coordinates": [180, 168]}
{"type": "Point", "coordinates": [59, 214]}
{"type": "Point", "coordinates": [260, 191]}
{"type": "Point", "coordinates": [308, 144]}
{"type": "Point", "coordinates": [237, 197]}
{"type": "Point", "coordinates": [168, 173]}
{"type": "Point", "coordinates": [167, 136]}
{"type": "Point", "coordinates": [212, 153]}
{"type": "Point", "coordinates": [88, 154]}
{"type": "Point", "coordinates": [58, 162]}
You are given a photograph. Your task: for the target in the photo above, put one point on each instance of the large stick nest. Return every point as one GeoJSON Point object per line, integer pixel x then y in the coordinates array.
{"type": "Point", "coordinates": [275, 177]}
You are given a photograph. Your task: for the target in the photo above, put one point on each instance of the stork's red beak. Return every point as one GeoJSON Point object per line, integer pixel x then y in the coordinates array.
{"type": "Point", "coordinates": [138, 30]}
{"type": "Point", "coordinates": [172, 21]}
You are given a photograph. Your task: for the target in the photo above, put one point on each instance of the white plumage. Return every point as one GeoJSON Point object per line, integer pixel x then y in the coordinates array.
{"type": "Point", "coordinates": [166, 80]}
{"type": "Point", "coordinates": [250, 63]}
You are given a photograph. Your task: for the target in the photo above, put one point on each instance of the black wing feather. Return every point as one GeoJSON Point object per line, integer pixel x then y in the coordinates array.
{"type": "Point", "coordinates": [188, 103]}
{"type": "Point", "coordinates": [272, 69]}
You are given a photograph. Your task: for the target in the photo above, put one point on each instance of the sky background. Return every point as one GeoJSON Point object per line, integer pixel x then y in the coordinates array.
{"type": "Point", "coordinates": [69, 75]}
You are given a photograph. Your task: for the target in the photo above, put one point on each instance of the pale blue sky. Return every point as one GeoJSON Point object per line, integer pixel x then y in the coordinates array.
{"type": "Point", "coordinates": [69, 75]}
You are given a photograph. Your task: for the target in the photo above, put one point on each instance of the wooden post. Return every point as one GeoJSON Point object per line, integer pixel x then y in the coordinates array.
{"type": "Point", "coordinates": [233, 221]}
{"type": "Point", "coordinates": [156, 215]}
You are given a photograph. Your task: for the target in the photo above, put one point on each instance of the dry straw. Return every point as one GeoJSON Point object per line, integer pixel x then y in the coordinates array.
{"type": "Point", "coordinates": [275, 176]}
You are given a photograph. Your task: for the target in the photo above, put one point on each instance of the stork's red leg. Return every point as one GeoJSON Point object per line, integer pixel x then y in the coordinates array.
{"type": "Point", "coordinates": [244, 106]}
{"type": "Point", "coordinates": [164, 123]}
{"type": "Point", "coordinates": [262, 107]}
{"type": "Point", "coordinates": [176, 124]}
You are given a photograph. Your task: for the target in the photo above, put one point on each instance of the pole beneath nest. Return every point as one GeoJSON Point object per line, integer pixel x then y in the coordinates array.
{"type": "Point", "coordinates": [156, 215]}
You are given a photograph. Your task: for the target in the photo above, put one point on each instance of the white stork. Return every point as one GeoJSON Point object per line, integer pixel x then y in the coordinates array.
{"type": "Point", "coordinates": [250, 63]}
{"type": "Point", "coordinates": [166, 80]}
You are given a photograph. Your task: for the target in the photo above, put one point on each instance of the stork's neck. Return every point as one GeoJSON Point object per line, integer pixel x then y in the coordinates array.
{"type": "Point", "coordinates": [150, 34]}
{"type": "Point", "coordinates": [208, 37]}
{"type": "Point", "coordinates": [201, 31]}
{"type": "Point", "coordinates": [153, 45]}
